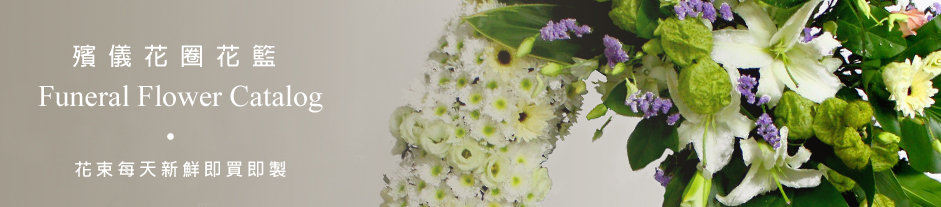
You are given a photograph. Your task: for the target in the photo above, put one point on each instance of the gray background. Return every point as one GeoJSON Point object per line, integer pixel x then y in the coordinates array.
{"type": "Point", "coordinates": [360, 54]}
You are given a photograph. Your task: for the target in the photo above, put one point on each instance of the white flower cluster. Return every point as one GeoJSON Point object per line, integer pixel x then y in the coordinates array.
{"type": "Point", "coordinates": [479, 126]}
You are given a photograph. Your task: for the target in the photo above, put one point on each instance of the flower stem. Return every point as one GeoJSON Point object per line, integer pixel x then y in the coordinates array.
{"type": "Point", "coordinates": [780, 188]}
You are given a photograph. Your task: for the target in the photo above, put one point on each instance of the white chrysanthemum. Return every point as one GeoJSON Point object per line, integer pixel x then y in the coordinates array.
{"type": "Point", "coordinates": [435, 195]}
{"type": "Point", "coordinates": [465, 186]}
{"type": "Point", "coordinates": [489, 130]}
{"type": "Point", "coordinates": [500, 105]}
{"type": "Point", "coordinates": [434, 139]}
{"type": "Point", "coordinates": [540, 186]}
{"type": "Point", "coordinates": [910, 86]}
{"type": "Point", "coordinates": [531, 120]}
{"type": "Point", "coordinates": [467, 155]}
{"type": "Point", "coordinates": [518, 183]}
{"type": "Point", "coordinates": [432, 172]}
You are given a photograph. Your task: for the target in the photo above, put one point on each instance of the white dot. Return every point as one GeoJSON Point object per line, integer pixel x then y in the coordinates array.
{"type": "Point", "coordinates": [170, 136]}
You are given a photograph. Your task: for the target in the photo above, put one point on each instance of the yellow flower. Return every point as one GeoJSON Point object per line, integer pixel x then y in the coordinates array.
{"type": "Point", "coordinates": [910, 86]}
{"type": "Point", "coordinates": [531, 121]}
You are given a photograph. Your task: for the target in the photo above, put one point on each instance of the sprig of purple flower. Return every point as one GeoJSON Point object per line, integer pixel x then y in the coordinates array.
{"type": "Point", "coordinates": [746, 86]}
{"type": "Point", "coordinates": [767, 130]}
{"type": "Point", "coordinates": [693, 9]}
{"type": "Point", "coordinates": [651, 106]}
{"type": "Point", "coordinates": [560, 31]}
{"type": "Point", "coordinates": [662, 178]}
{"type": "Point", "coordinates": [613, 51]}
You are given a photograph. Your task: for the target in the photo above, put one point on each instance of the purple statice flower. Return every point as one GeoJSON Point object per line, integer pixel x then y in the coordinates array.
{"type": "Point", "coordinates": [648, 104]}
{"type": "Point", "coordinates": [936, 7]}
{"type": "Point", "coordinates": [681, 9]}
{"type": "Point", "coordinates": [662, 178]}
{"type": "Point", "coordinates": [613, 51]}
{"type": "Point", "coordinates": [726, 11]}
{"type": "Point", "coordinates": [808, 35]}
{"type": "Point", "coordinates": [560, 31]}
{"type": "Point", "coordinates": [673, 118]}
{"type": "Point", "coordinates": [746, 86]}
{"type": "Point", "coordinates": [709, 12]}
{"type": "Point", "coordinates": [767, 130]}
{"type": "Point", "coordinates": [763, 100]}
{"type": "Point", "coordinates": [553, 31]}
{"type": "Point", "coordinates": [696, 5]}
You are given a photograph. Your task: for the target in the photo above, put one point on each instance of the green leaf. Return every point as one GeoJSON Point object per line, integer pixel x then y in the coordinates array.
{"type": "Point", "coordinates": [921, 189]}
{"type": "Point", "coordinates": [863, 36]}
{"type": "Point", "coordinates": [647, 18]}
{"type": "Point", "coordinates": [887, 184]}
{"type": "Point", "coordinates": [784, 3]}
{"type": "Point", "coordinates": [598, 111]}
{"type": "Point", "coordinates": [916, 140]}
{"type": "Point", "coordinates": [616, 98]}
{"type": "Point", "coordinates": [511, 25]}
{"type": "Point", "coordinates": [648, 141]}
{"type": "Point", "coordinates": [822, 195]}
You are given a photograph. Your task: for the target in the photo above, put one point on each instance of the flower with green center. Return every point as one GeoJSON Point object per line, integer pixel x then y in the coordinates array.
{"type": "Point", "coordinates": [532, 121]}
{"type": "Point", "coordinates": [540, 186]}
{"type": "Point", "coordinates": [710, 104]}
{"type": "Point", "coordinates": [770, 168]}
{"type": "Point", "coordinates": [467, 155]}
{"type": "Point", "coordinates": [806, 68]}
{"type": "Point", "coordinates": [910, 86]}
{"type": "Point", "coordinates": [495, 172]}
{"type": "Point", "coordinates": [434, 139]}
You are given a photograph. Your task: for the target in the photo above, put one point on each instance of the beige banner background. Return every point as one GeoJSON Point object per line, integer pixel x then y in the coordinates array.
{"type": "Point", "coordinates": [361, 54]}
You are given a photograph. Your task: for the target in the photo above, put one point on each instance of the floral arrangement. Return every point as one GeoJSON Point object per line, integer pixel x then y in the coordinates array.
{"type": "Point", "coordinates": [755, 102]}
{"type": "Point", "coordinates": [480, 124]}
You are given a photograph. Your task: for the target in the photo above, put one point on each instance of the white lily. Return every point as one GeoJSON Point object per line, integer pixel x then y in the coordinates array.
{"type": "Point", "coordinates": [712, 135]}
{"type": "Point", "coordinates": [771, 168]}
{"type": "Point", "coordinates": [806, 68]}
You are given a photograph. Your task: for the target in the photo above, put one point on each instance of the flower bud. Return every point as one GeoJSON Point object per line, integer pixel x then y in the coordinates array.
{"type": "Point", "coordinates": [828, 120]}
{"type": "Point", "coordinates": [797, 114]}
{"type": "Point", "coordinates": [857, 114]}
{"type": "Point", "coordinates": [705, 87]}
{"type": "Point", "coordinates": [685, 41]}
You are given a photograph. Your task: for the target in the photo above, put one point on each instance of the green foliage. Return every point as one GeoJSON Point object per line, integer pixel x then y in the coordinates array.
{"type": "Point", "coordinates": [921, 189]}
{"type": "Point", "coordinates": [864, 36]}
{"type": "Point", "coordinates": [648, 141]}
{"type": "Point", "coordinates": [512, 25]}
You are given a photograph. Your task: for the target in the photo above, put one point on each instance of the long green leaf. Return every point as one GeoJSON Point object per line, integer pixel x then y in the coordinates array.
{"type": "Point", "coordinates": [916, 140]}
{"type": "Point", "coordinates": [887, 184]}
{"type": "Point", "coordinates": [510, 25]}
{"type": "Point", "coordinates": [920, 188]}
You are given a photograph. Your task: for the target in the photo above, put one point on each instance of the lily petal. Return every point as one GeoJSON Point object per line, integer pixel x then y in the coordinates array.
{"type": "Point", "coordinates": [757, 20]}
{"type": "Point", "coordinates": [799, 178]}
{"type": "Point", "coordinates": [790, 32]}
{"type": "Point", "coordinates": [770, 84]}
{"type": "Point", "coordinates": [739, 49]}
{"type": "Point", "coordinates": [754, 183]}
{"type": "Point", "coordinates": [750, 150]}
{"type": "Point", "coordinates": [815, 79]}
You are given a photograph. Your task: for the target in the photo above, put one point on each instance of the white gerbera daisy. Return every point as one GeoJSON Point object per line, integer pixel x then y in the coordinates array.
{"type": "Point", "coordinates": [910, 86]}
{"type": "Point", "coordinates": [531, 120]}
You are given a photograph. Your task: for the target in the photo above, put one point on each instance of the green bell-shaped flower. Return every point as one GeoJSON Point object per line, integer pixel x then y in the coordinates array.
{"type": "Point", "coordinates": [797, 114]}
{"type": "Point", "coordinates": [705, 87]}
